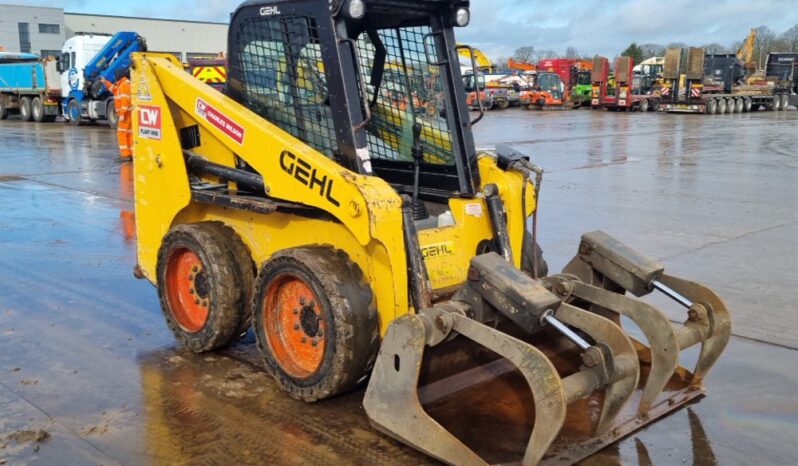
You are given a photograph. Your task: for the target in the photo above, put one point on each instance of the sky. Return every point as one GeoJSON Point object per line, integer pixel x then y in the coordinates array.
{"type": "Point", "coordinates": [498, 27]}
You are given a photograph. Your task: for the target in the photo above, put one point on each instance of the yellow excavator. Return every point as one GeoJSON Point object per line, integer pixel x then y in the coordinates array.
{"type": "Point", "coordinates": [365, 242]}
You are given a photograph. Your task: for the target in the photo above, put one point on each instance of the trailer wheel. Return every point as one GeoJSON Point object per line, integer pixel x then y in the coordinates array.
{"type": "Point", "coordinates": [739, 105]}
{"type": "Point", "coordinates": [721, 106]}
{"type": "Point", "coordinates": [3, 108]}
{"type": "Point", "coordinates": [110, 114]}
{"type": "Point", "coordinates": [747, 104]}
{"type": "Point", "coordinates": [25, 109]}
{"type": "Point", "coordinates": [712, 106]}
{"type": "Point", "coordinates": [73, 112]}
{"type": "Point", "coordinates": [37, 109]}
{"type": "Point", "coordinates": [315, 322]}
{"type": "Point", "coordinates": [643, 105]}
{"type": "Point", "coordinates": [776, 105]}
{"type": "Point", "coordinates": [200, 285]}
{"type": "Point", "coordinates": [785, 101]}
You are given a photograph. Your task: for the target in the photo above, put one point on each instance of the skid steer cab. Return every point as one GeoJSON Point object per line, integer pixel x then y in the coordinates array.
{"type": "Point", "coordinates": [332, 199]}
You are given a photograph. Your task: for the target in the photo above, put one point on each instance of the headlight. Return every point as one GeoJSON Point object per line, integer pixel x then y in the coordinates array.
{"type": "Point", "coordinates": [462, 17]}
{"type": "Point", "coordinates": [357, 8]}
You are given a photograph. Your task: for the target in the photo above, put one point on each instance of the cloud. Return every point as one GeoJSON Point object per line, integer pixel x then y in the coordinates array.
{"type": "Point", "coordinates": [606, 27]}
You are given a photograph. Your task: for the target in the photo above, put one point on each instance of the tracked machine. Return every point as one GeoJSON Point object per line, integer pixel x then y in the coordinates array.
{"type": "Point", "coordinates": [363, 240]}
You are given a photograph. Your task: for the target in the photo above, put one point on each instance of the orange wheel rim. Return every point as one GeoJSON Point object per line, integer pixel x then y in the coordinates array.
{"type": "Point", "coordinates": [294, 325]}
{"type": "Point", "coordinates": [187, 289]}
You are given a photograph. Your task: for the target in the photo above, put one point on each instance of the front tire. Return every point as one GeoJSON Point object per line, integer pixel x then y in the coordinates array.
{"type": "Point", "coordinates": [3, 108]}
{"type": "Point", "coordinates": [25, 111]}
{"type": "Point", "coordinates": [202, 285]}
{"type": "Point", "coordinates": [74, 113]}
{"type": "Point", "coordinates": [315, 322]}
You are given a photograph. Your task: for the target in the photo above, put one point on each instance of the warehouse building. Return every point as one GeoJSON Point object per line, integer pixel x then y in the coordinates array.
{"type": "Point", "coordinates": [42, 30]}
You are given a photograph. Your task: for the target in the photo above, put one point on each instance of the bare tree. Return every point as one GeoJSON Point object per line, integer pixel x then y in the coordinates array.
{"type": "Point", "coordinates": [544, 54]}
{"type": "Point", "coordinates": [524, 54]}
{"type": "Point", "coordinates": [652, 50]}
{"type": "Point", "coordinates": [676, 45]}
{"type": "Point", "coordinates": [763, 44]}
{"type": "Point", "coordinates": [571, 52]}
{"type": "Point", "coordinates": [714, 48]}
{"type": "Point", "coordinates": [501, 62]}
{"type": "Point", "coordinates": [790, 38]}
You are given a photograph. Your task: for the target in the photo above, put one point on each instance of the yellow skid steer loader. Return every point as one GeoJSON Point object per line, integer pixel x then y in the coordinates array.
{"type": "Point", "coordinates": [332, 199]}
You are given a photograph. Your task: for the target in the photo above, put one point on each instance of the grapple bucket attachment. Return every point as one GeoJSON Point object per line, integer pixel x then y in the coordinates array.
{"type": "Point", "coordinates": [516, 370]}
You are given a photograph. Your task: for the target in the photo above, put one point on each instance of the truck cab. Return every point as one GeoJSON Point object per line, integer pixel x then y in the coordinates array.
{"type": "Point", "coordinates": [76, 53]}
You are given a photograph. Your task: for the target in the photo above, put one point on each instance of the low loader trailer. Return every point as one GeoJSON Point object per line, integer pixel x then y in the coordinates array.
{"type": "Point", "coordinates": [694, 82]}
{"type": "Point", "coordinates": [627, 91]}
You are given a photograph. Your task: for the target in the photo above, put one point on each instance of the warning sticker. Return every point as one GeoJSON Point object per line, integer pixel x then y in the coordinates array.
{"type": "Point", "coordinates": [220, 120]}
{"type": "Point", "coordinates": [149, 121]}
{"type": "Point", "coordinates": [473, 209]}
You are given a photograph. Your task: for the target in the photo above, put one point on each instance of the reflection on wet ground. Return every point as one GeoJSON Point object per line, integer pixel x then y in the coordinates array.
{"type": "Point", "coordinates": [89, 374]}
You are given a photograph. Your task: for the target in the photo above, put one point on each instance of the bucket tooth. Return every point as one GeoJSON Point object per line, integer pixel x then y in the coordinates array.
{"type": "Point", "coordinates": [664, 348]}
{"type": "Point", "coordinates": [625, 368]}
{"type": "Point", "coordinates": [393, 406]}
{"type": "Point", "coordinates": [719, 322]}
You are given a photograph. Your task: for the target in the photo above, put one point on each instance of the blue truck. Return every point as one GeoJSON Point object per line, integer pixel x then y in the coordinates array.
{"type": "Point", "coordinates": [29, 86]}
{"type": "Point", "coordinates": [85, 59]}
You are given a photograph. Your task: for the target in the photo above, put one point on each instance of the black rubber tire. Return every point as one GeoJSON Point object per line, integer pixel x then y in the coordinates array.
{"type": "Point", "coordinates": [73, 108]}
{"type": "Point", "coordinates": [213, 244]}
{"type": "Point", "coordinates": [528, 255]}
{"type": "Point", "coordinates": [3, 108]}
{"type": "Point", "coordinates": [25, 109]}
{"type": "Point", "coordinates": [644, 105]}
{"type": "Point", "coordinates": [351, 342]}
{"type": "Point", "coordinates": [504, 104]}
{"type": "Point", "coordinates": [246, 268]}
{"type": "Point", "coordinates": [110, 114]}
{"type": "Point", "coordinates": [37, 110]}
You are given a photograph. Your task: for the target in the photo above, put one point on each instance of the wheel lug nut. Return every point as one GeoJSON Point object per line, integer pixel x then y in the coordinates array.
{"type": "Point", "coordinates": [296, 311]}
{"type": "Point", "coordinates": [320, 333]}
{"type": "Point", "coordinates": [296, 326]}
{"type": "Point", "coordinates": [195, 269]}
{"type": "Point", "coordinates": [196, 301]}
{"type": "Point", "coordinates": [314, 342]}
{"type": "Point", "coordinates": [191, 291]}
{"type": "Point", "coordinates": [302, 300]}
{"type": "Point", "coordinates": [304, 340]}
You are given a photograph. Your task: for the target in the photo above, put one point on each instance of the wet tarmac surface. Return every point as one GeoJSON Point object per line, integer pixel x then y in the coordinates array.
{"type": "Point", "coordinates": [89, 373]}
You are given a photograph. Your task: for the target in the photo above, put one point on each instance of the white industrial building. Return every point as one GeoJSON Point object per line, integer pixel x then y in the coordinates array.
{"type": "Point", "coordinates": [42, 30]}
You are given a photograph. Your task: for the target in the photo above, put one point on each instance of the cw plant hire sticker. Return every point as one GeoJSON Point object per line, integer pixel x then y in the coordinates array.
{"type": "Point", "coordinates": [221, 121]}
{"type": "Point", "coordinates": [149, 121]}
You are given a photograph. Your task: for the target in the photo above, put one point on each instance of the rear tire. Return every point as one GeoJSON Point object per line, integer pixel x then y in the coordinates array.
{"type": "Point", "coordinates": [712, 106]}
{"type": "Point", "coordinates": [315, 322]}
{"type": "Point", "coordinates": [25, 109]}
{"type": "Point", "coordinates": [74, 113]}
{"type": "Point", "coordinates": [110, 114]}
{"type": "Point", "coordinates": [201, 285]}
{"type": "Point", "coordinates": [528, 255]}
{"type": "Point", "coordinates": [721, 106]}
{"type": "Point", "coordinates": [776, 103]}
{"type": "Point", "coordinates": [739, 105]}
{"type": "Point", "coordinates": [785, 101]}
{"type": "Point", "coordinates": [3, 108]}
{"type": "Point", "coordinates": [747, 104]}
{"type": "Point", "coordinates": [643, 105]}
{"type": "Point", "coordinates": [37, 109]}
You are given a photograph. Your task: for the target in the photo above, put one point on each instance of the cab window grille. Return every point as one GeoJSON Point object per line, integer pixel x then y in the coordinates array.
{"type": "Point", "coordinates": [283, 78]}
{"type": "Point", "coordinates": [411, 92]}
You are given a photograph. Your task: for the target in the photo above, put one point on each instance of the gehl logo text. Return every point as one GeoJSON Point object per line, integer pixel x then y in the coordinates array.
{"type": "Point", "coordinates": [305, 173]}
{"type": "Point", "coordinates": [269, 10]}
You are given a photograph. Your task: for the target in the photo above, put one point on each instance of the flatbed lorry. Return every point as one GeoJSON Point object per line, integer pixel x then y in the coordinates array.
{"type": "Point", "coordinates": [29, 86]}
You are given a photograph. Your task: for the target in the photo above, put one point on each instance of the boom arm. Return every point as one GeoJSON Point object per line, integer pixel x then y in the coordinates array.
{"type": "Point", "coordinates": [115, 55]}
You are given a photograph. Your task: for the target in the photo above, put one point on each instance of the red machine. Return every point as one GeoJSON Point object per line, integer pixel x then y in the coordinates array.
{"type": "Point", "coordinates": [625, 91]}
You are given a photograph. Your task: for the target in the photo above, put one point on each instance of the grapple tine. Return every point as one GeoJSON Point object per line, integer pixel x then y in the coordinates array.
{"type": "Point", "coordinates": [391, 400]}
{"type": "Point", "coordinates": [543, 379]}
{"type": "Point", "coordinates": [393, 406]}
{"type": "Point", "coordinates": [626, 367]}
{"type": "Point", "coordinates": [719, 322]}
{"type": "Point", "coordinates": [664, 349]}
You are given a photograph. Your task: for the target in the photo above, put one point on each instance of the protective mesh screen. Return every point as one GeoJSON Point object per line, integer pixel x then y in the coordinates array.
{"type": "Point", "coordinates": [411, 92]}
{"type": "Point", "coordinates": [283, 78]}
